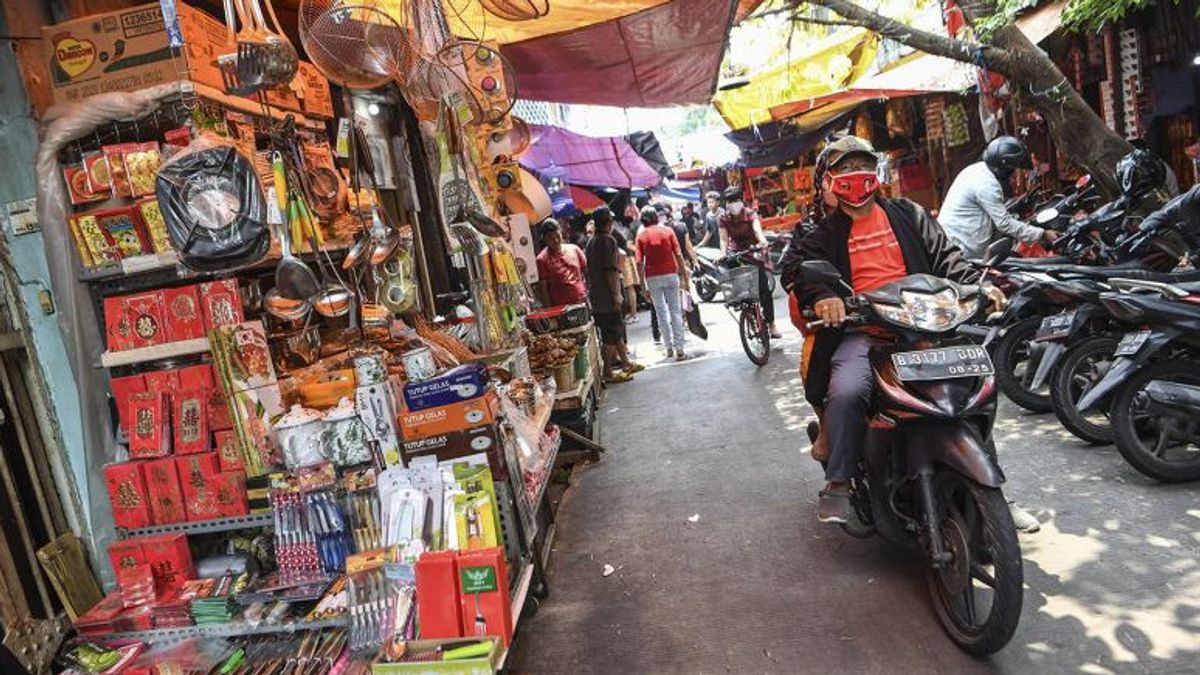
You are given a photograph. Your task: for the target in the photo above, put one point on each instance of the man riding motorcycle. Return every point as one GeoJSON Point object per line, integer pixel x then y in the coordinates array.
{"type": "Point", "coordinates": [872, 241]}
{"type": "Point", "coordinates": [973, 213]}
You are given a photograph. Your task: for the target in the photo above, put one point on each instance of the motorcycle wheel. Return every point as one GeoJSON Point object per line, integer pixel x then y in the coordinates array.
{"type": "Point", "coordinates": [986, 567]}
{"type": "Point", "coordinates": [756, 336]}
{"type": "Point", "coordinates": [1147, 441]}
{"type": "Point", "coordinates": [1012, 361]}
{"type": "Point", "coordinates": [1081, 367]}
{"type": "Point", "coordinates": [706, 288]}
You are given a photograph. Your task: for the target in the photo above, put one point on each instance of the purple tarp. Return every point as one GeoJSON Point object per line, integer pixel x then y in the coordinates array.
{"type": "Point", "coordinates": [598, 162]}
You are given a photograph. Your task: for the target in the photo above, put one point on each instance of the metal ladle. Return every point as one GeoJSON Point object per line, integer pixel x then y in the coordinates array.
{"type": "Point", "coordinates": [294, 279]}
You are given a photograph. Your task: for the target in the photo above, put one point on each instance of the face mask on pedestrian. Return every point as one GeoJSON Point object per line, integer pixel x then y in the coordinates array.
{"type": "Point", "coordinates": [735, 208]}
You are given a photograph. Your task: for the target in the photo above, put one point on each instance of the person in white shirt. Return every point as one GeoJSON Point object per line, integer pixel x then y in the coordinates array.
{"type": "Point", "coordinates": [973, 213]}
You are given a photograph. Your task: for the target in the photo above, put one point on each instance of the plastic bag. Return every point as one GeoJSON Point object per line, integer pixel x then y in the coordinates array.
{"type": "Point", "coordinates": [212, 202]}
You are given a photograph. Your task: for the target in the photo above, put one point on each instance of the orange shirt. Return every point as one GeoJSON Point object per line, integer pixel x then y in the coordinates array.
{"type": "Point", "coordinates": [875, 256]}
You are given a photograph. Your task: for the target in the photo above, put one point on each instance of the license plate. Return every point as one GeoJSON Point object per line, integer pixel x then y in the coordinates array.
{"type": "Point", "coordinates": [942, 364]}
{"type": "Point", "coordinates": [1132, 342]}
{"type": "Point", "coordinates": [1055, 327]}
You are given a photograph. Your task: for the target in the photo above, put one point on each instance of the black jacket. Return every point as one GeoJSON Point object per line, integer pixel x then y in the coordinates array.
{"type": "Point", "coordinates": [1183, 209]}
{"type": "Point", "coordinates": [925, 248]}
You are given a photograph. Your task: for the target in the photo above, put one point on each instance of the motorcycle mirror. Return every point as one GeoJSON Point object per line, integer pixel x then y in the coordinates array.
{"type": "Point", "coordinates": [1046, 216]}
{"type": "Point", "coordinates": [820, 272]}
{"type": "Point", "coordinates": [998, 251]}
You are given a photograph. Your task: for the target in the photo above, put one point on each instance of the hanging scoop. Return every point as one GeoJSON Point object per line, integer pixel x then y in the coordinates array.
{"type": "Point", "coordinates": [293, 279]}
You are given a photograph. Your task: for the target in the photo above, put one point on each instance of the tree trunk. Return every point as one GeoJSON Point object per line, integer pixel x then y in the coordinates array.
{"type": "Point", "coordinates": [1080, 133]}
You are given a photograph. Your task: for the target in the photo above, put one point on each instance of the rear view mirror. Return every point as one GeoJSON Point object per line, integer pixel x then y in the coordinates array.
{"type": "Point", "coordinates": [998, 251]}
{"type": "Point", "coordinates": [820, 272]}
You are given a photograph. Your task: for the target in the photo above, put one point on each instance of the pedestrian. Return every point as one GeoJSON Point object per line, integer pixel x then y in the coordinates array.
{"type": "Point", "coordinates": [741, 230]}
{"type": "Point", "coordinates": [662, 266]}
{"type": "Point", "coordinates": [693, 222]}
{"type": "Point", "coordinates": [712, 219]}
{"type": "Point", "coordinates": [606, 294]}
{"type": "Point", "coordinates": [562, 269]}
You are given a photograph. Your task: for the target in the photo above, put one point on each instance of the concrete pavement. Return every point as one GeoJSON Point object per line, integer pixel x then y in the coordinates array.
{"type": "Point", "coordinates": [757, 585]}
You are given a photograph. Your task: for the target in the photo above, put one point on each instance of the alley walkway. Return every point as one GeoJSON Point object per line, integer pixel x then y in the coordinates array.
{"type": "Point", "coordinates": [756, 585]}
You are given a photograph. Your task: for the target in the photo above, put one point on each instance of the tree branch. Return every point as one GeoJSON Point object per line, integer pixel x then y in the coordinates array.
{"type": "Point", "coordinates": [932, 43]}
{"type": "Point", "coordinates": [799, 18]}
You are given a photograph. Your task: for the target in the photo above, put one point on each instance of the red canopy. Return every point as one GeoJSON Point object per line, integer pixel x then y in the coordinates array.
{"type": "Point", "coordinates": [584, 200]}
{"type": "Point", "coordinates": [663, 56]}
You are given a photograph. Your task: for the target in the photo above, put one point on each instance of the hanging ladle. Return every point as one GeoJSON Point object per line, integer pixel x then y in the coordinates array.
{"type": "Point", "coordinates": [294, 279]}
{"type": "Point", "coordinates": [384, 236]}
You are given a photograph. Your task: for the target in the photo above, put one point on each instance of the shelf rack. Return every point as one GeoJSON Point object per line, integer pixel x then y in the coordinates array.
{"type": "Point", "coordinates": [169, 350]}
{"type": "Point", "coordinates": [205, 526]}
{"type": "Point", "coordinates": [235, 629]}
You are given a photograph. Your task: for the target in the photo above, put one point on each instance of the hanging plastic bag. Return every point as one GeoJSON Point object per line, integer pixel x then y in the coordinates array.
{"type": "Point", "coordinates": [691, 314]}
{"type": "Point", "coordinates": [213, 206]}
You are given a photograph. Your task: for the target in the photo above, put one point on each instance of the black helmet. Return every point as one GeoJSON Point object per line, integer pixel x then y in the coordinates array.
{"type": "Point", "coordinates": [1140, 172]}
{"type": "Point", "coordinates": [649, 215]}
{"type": "Point", "coordinates": [1006, 154]}
{"type": "Point", "coordinates": [733, 193]}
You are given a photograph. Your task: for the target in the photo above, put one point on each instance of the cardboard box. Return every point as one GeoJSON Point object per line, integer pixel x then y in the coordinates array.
{"type": "Point", "coordinates": [457, 444]}
{"type": "Point", "coordinates": [189, 422]}
{"type": "Point", "coordinates": [122, 389]}
{"type": "Point", "coordinates": [164, 491]}
{"type": "Point", "coordinates": [455, 385]}
{"type": "Point", "coordinates": [221, 304]}
{"type": "Point", "coordinates": [195, 480]}
{"type": "Point", "coordinates": [128, 496]}
{"type": "Point", "coordinates": [438, 611]}
{"type": "Point", "coordinates": [184, 320]}
{"type": "Point", "coordinates": [169, 558]}
{"type": "Point", "coordinates": [447, 419]}
{"type": "Point", "coordinates": [483, 592]}
{"type": "Point", "coordinates": [129, 50]}
{"type": "Point", "coordinates": [150, 435]}
{"type": "Point", "coordinates": [317, 99]}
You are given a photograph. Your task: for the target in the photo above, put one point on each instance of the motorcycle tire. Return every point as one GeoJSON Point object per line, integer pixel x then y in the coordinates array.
{"type": "Point", "coordinates": [752, 326]}
{"type": "Point", "coordinates": [1129, 429]}
{"type": "Point", "coordinates": [1071, 378]}
{"type": "Point", "coordinates": [993, 530]}
{"type": "Point", "coordinates": [1012, 350]}
{"type": "Point", "coordinates": [706, 289]}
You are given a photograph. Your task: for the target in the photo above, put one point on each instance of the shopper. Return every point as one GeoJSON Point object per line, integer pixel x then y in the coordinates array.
{"type": "Point", "coordinates": [562, 269]}
{"type": "Point", "coordinates": [606, 293]}
{"type": "Point", "coordinates": [741, 230]}
{"type": "Point", "coordinates": [712, 220]}
{"type": "Point", "coordinates": [662, 266]}
{"type": "Point", "coordinates": [693, 222]}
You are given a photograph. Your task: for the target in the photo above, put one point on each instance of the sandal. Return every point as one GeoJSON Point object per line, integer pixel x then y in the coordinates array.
{"type": "Point", "coordinates": [618, 378]}
{"type": "Point", "coordinates": [632, 368]}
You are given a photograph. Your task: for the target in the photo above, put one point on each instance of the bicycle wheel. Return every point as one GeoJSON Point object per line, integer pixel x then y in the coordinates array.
{"type": "Point", "coordinates": [756, 336]}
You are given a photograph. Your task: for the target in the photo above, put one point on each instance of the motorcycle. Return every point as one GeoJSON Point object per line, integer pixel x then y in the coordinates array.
{"type": "Point", "coordinates": [1151, 433]}
{"type": "Point", "coordinates": [929, 477]}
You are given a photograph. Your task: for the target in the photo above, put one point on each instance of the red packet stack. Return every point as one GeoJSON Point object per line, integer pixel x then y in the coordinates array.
{"type": "Point", "coordinates": [228, 451]}
{"type": "Point", "coordinates": [483, 590]}
{"type": "Point", "coordinates": [438, 611]}
{"type": "Point", "coordinates": [170, 559]}
{"type": "Point", "coordinates": [128, 495]}
{"type": "Point", "coordinates": [99, 619]}
{"type": "Point", "coordinates": [162, 486]}
{"type": "Point", "coordinates": [221, 304]}
{"type": "Point", "coordinates": [150, 435]}
{"type": "Point", "coordinates": [229, 487]}
{"type": "Point", "coordinates": [123, 389]}
{"type": "Point", "coordinates": [137, 585]}
{"type": "Point", "coordinates": [126, 554]}
{"type": "Point", "coordinates": [196, 473]}
{"type": "Point", "coordinates": [185, 321]}
{"type": "Point", "coordinates": [189, 417]}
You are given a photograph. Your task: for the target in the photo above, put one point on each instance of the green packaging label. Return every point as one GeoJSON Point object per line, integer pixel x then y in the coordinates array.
{"type": "Point", "coordinates": [478, 579]}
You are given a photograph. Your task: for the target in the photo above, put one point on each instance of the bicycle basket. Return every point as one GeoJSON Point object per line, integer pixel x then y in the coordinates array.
{"type": "Point", "coordinates": [741, 285]}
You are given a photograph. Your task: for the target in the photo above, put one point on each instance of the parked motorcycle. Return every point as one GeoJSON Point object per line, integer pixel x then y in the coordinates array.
{"type": "Point", "coordinates": [929, 477]}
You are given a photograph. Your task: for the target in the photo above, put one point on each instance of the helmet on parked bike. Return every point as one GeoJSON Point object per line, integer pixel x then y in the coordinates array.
{"type": "Point", "coordinates": [649, 215]}
{"type": "Point", "coordinates": [1006, 154]}
{"type": "Point", "coordinates": [1139, 173]}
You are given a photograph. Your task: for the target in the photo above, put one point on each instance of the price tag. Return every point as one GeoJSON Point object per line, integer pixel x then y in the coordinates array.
{"type": "Point", "coordinates": [342, 148]}
{"type": "Point", "coordinates": [274, 215]}
{"type": "Point", "coordinates": [22, 216]}
{"type": "Point", "coordinates": [140, 263]}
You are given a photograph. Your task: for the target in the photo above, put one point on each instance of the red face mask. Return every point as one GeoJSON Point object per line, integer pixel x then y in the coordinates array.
{"type": "Point", "coordinates": [855, 188]}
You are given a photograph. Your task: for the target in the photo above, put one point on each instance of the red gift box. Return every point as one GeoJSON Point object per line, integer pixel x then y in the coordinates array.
{"type": "Point", "coordinates": [196, 377]}
{"type": "Point", "coordinates": [170, 559]}
{"type": "Point", "coordinates": [483, 592]}
{"type": "Point", "coordinates": [127, 493]}
{"type": "Point", "coordinates": [141, 321]}
{"type": "Point", "coordinates": [150, 433]}
{"type": "Point", "coordinates": [185, 321]}
{"type": "Point", "coordinates": [220, 418]}
{"type": "Point", "coordinates": [166, 381]}
{"type": "Point", "coordinates": [221, 304]}
{"type": "Point", "coordinates": [126, 554]}
{"type": "Point", "coordinates": [122, 389]}
{"type": "Point", "coordinates": [230, 490]}
{"type": "Point", "coordinates": [189, 422]}
{"type": "Point", "coordinates": [438, 610]}
{"type": "Point", "coordinates": [195, 478]}
{"type": "Point", "coordinates": [228, 451]}
{"type": "Point", "coordinates": [118, 332]}
{"type": "Point", "coordinates": [164, 491]}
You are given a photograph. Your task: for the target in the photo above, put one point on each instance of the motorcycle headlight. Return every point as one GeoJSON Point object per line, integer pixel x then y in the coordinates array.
{"type": "Point", "coordinates": [936, 312]}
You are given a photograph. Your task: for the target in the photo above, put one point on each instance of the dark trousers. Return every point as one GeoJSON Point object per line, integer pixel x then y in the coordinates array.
{"type": "Point", "coordinates": [850, 385]}
{"type": "Point", "coordinates": [764, 295]}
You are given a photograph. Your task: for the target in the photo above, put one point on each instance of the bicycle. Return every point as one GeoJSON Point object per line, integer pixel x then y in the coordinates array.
{"type": "Point", "coordinates": [741, 294]}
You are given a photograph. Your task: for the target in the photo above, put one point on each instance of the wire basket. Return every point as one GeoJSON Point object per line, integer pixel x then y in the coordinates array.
{"type": "Point", "coordinates": [741, 285]}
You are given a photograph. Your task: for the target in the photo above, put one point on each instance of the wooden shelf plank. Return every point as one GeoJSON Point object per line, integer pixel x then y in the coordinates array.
{"type": "Point", "coordinates": [154, 353]}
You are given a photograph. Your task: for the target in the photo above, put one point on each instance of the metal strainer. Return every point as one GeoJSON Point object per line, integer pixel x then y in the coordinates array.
{"type": "Point", "coordinates": [359, 46]}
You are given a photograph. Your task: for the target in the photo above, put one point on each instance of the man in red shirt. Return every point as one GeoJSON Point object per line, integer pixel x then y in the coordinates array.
{"type": "Point", "coordinates": [562, 269]}
{"type": "Point", "coordinates": [872, 241]}
{"type": "Point", "coordinates": [662, 266]}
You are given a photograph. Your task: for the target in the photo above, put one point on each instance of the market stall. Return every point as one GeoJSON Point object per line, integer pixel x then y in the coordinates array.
{"type": "Point", "coordinates": [319, 457]}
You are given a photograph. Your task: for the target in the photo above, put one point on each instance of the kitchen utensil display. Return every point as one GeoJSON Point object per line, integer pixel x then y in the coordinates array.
{"type": "Point", "coordinates": [212, 204]}
{"type": "Point", "coordinates": [264, 59]}
{"type": "Point", "coordinates": [293, 279]}
{"type": "Point", "coordinates": [355, 44]}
